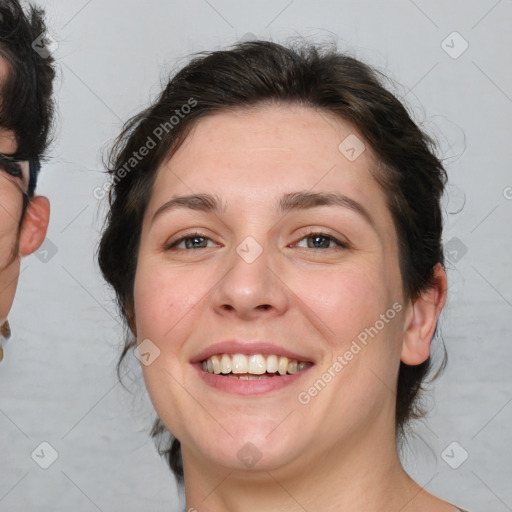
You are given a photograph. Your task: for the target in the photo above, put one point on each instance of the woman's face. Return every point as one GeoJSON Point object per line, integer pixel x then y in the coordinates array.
{"type": "Point", "coordinates": [253, 273]}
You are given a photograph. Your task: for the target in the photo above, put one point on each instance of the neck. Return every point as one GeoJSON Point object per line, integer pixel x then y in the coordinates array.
{"type": "Point", "coordinates": [353, 476]}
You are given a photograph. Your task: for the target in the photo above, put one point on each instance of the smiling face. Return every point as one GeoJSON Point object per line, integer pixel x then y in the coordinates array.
{"type": "Point", "coordinates": [309, 279]}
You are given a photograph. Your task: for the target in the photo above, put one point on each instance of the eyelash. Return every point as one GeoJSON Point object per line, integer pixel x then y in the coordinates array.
{"type": "Point", "coordinates": [341, 245]}
{"type": "Point", "coordinates": [9, 168]}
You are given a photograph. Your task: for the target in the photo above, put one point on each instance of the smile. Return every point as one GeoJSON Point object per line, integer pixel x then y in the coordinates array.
{"type": "Point", "coordinates": [254, 374]}
{"type": "Point", "coordinates": [253, 367]}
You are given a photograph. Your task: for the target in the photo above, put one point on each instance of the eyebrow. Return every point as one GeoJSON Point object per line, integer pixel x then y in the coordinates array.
{"type": "Point", "coordinates": [198, 202]}
{"type": "Point", "coordinates": [305, 200]}
{"type": "Point", "coordinates": [289, 202]}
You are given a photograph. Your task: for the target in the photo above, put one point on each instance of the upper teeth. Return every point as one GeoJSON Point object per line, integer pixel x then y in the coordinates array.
{"type": "Point", "coordinates": [256, 364]}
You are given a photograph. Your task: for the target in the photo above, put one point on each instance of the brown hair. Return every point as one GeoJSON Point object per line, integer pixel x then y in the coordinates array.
{"type": "Point", "coordinates": [26, 101]}
{"type": "Point", "coordinates": [252, 73]}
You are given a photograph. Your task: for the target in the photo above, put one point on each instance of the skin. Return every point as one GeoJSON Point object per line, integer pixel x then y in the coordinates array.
{"type": "Point", "coordinates": [10, 212]}
{"type": "Point", "coordinates": [15, 241]}
{"type": "Point", "coordinates": [317, 301]}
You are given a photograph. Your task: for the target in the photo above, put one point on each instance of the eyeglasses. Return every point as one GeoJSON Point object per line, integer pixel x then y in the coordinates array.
{"type": "Point", "coordinates": [14, 171]}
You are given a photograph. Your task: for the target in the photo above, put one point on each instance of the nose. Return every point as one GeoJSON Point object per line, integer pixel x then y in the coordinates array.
{"type": "Point", "coordinates": [250, 288]}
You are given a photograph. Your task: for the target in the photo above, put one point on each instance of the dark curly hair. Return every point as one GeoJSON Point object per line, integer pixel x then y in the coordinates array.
{"type": "Point", "coordinates": [252, 73]}
{"type": "Point", "coordinates": [26, 104]}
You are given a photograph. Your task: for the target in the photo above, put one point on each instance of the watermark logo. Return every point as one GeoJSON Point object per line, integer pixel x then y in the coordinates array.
{"type": "Point", "coordinates": [454, 45]}
{"type": "Point", "coordinates": [249, 249]}
{"type": "Point", "coordinates": [455, 249]}
{"type": "Point", "coordinates": [44, 45]}
{"type": "Point", "coordinates": [146, 352]}
{"type": "Point", "coordinates": [454, 455]}
{"type": "Point", "coordinates": [247, 37]}
{"type": "Point", "coordinates": [342, 360]}
{"type": "Point", "coordinates": [44, 455]}
{"type": "Point", "coordinates": [352, 147]}
{"type": "Point", "coordinates": [47, 251]}
{"type": "Point", "coordinates": [249, 454]}
{"type": "Point", "coordinates": [149, 144]}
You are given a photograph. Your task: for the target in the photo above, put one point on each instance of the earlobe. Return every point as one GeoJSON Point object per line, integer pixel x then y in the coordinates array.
{"type": "Point", "coordinates": [421, 320]}
{"type": "Point", "coordinates": [35, 225]}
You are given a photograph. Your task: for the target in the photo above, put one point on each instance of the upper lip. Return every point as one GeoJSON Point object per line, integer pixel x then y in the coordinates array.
{"type": "Point", "coordinates": [238, 347]}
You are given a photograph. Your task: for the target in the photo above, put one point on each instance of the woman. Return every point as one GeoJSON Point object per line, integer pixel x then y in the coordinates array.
{"type": "Point", "coordinates": [274, 241]}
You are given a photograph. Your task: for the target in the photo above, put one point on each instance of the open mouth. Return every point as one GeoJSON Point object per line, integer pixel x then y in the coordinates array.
{"type": "Point", "coordinates": [253, 367]}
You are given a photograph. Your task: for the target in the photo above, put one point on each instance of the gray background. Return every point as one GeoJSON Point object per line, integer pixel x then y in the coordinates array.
{"type": "Point", "coordinates": [57, 383]}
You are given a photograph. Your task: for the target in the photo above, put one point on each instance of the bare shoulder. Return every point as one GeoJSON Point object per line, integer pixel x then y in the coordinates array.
{"type": "Point", "coordinates": [423, 501]}
{"type": "Point", "coordinates": [436, 505]}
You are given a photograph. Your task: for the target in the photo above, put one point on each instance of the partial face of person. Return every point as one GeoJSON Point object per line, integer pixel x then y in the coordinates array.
{"type": "Point", "coordinates": [276, 263]}
{"type": "Point", "coordinates": [13, 184]}
{"type": "Point", "coordinates": [16, 241]}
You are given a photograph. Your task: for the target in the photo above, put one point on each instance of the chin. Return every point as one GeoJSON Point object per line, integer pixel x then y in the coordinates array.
{"type": "Point", "coordinates": [249, 448]}
{"type": "Point", "coordinates": [249, 455]}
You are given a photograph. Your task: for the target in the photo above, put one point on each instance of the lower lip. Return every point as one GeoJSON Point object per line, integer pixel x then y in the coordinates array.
{"type": "Point", "coordinates": [248, 387]}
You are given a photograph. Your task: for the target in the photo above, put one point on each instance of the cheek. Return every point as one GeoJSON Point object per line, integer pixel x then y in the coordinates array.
{"type": "Point", "coordinates": [361, 321]}
{"type": "Point", "coordinates": [8, 282]}
{"type": "Point", "coordinates": [168, 306]}
{"type": "Point", "coordinates": [346, 299]}
{"type": "Point", "coordinates": [165, 299]}
{"type": "Point", "coordinates": [8, 232]}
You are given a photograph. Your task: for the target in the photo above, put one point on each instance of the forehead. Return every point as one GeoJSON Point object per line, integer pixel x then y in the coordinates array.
{"type": "Point", "coordinates": [8, 143]}
{"type": "Point", "coordinates": [4, 74]}
{"type": "Point", "coordinates": [296, 129]}
{"type": "Point", "coordinates": [270, 149]}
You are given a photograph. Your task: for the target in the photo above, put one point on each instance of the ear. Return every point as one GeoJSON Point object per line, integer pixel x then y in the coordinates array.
{"type": "Point", "coordinates": [34, 225]}
{"type": "Point", "coordinates": [421, 320]}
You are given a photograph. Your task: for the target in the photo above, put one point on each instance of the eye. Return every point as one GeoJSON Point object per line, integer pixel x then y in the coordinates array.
{"type": "Point", "coordinates": [11, 167]}
{"type": "Point", "coordinates": [322, 241]}
{"type": "Point", "coordinates": [190, 241]}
